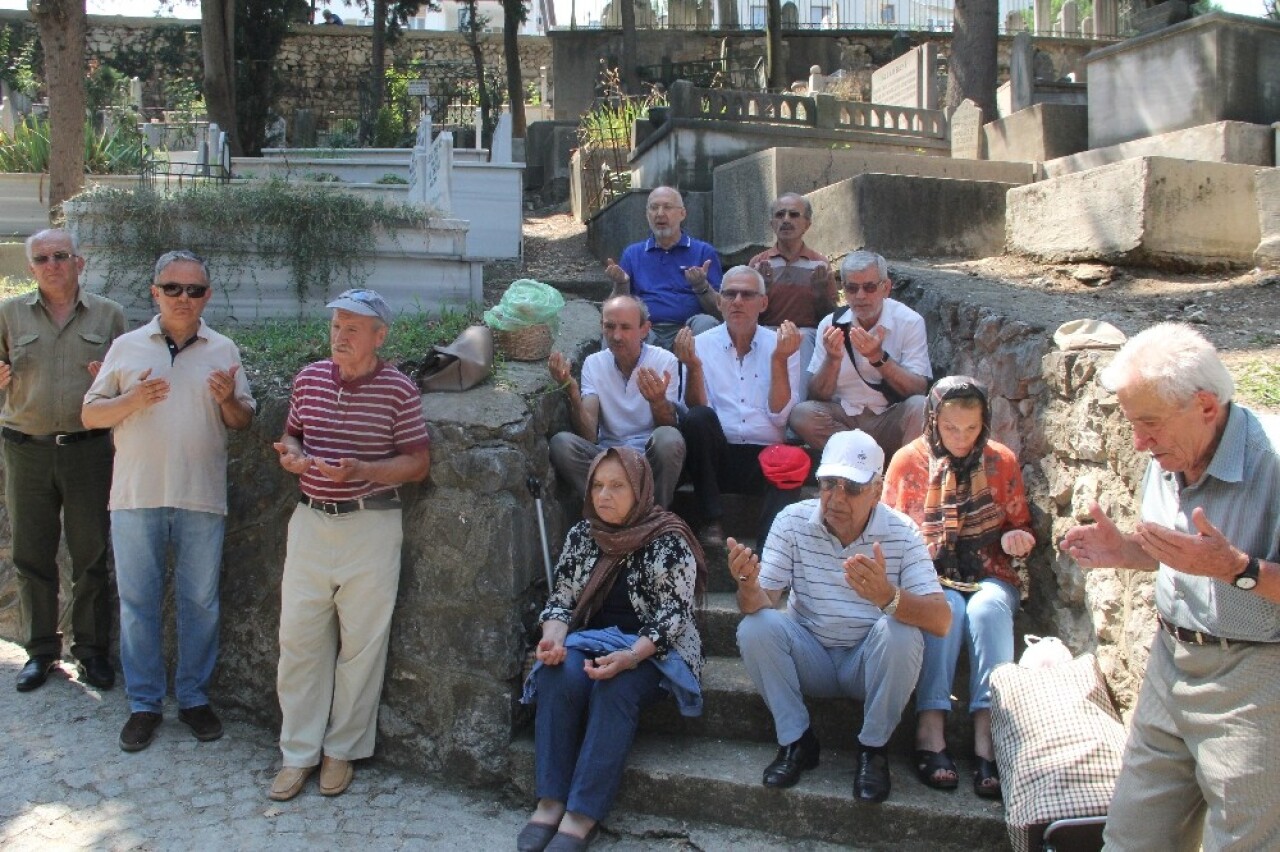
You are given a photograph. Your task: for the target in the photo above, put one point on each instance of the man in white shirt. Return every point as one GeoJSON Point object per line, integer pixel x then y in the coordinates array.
{"type": "Point", "coordinates": [740, 387]}
{"type": "Point", "coordinates": [872, 370]}
{"type": "Point", "coordinates": [627, 397]}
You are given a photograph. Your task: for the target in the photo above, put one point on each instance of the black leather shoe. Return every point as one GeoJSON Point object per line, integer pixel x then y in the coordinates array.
{"type": "Point", "coordinates": [36, 672]}
{"type": "Point", "coordinates": [97, 672]}
{"type": "Point", "coordinates": [139, 730]}
{"type": "Point", "coordinates": [792, 760]}
{"type": "Point", "coordinates": [202, 721]}
{"type": "Point", "coordinates": [871, 785]}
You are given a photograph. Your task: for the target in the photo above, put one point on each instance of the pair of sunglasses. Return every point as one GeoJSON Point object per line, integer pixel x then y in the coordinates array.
{"type": "Point", "coordinates": [173, 291]}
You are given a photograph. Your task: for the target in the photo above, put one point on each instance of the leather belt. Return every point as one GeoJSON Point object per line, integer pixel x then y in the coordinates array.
{"type": "Point", "coordinates": [383, 501]}
{"type": "Point", "coordinates": [59, 439]}
{"type": "Point", "coordinates": [1195, 637]}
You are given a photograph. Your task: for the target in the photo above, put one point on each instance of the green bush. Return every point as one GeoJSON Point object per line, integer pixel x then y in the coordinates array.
{"type": "Point", "coordinates": [118, 152]}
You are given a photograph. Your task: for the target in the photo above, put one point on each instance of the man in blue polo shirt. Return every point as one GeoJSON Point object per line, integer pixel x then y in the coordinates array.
{"type": "Point", "coordinates": [676, 276]}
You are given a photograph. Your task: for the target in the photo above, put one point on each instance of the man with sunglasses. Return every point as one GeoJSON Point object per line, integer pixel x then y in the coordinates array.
{"type": "Point", "coordinates": [674, 274]}
{"type": "Point", "coordinates": [862, 588]}
{"type": "Point", "coordinates": [872, 370]}
{"type": "Point", "coordinates": [800, 285]}
{"type": "Point", "coordinates": [740, 385]}
{"type": "Point", "coordinates": [169, 392]}
{"type": "Point", "coordinates": [51, 341]}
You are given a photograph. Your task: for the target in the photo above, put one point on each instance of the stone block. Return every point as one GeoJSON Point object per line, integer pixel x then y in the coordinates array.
{"type": "Point", "coordinates": [1147, 211]}
{"type": "Point", "coordinates": [911, 80]}
{"type": "Point", "coordinates": [967, 142]}
{"type": "Point", "coordinates": [907, 215]}
{"type": "Point", "coordinates": [1219, 142]}
{"type": "Point", "coordinates": [1041, 132]}
{"type": "Point", "coordinates": [1267, 185]}
{"type": "Point", "coordinates": [1214, 67]}
{"type": "Point", "coordinates": [745, 188]}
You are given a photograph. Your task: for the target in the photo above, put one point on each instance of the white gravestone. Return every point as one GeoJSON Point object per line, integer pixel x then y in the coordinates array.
{"type": "Point", "coordinates": [430, 175]}
{"type": "Point", "coordinates": [966, 132]}
{"type": "Point", "coordinates": [1106, 18]}
{"type": "Point", "coordinates": [500, 150]}
{"type": "Point", "coordinates": [911, 80]}
{"type": "Point", "coordinates": [1070, 18]}
{"type": "Point", "coordinates": [135, 93]}
{"type": "Point", "coordinates": [6, 117]}
{"type": "Point", "coordinates": [1021, 72]}
{"type": "Point", "coordinates": [1043, 17]}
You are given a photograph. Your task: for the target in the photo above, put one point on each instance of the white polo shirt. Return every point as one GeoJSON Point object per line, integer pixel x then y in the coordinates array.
{"type": "Point", "coordinates": [172, 454]}
{"type": "Point", "coordinates": [625, 416]}
{"type": "Point", "coordinates": [905, 340]}
{"type": "Point", "coordinates": [738, 389]}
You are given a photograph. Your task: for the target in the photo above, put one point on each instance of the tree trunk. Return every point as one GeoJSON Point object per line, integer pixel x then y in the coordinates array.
{"type": "Point", "coordinates": [630, 76]}
{"type": "Point", "coordinates": [513, 15]}
{"type": "Point", "coordinates": [62, 28]}
{"type": "Point", "coordinates": [377, 72]}
{"type": "Point", "coordinates": [773, 47]}
{"type": "Point", "coordinates": [217, 45]}
{"type": "Point", "coordinates": [972, 65]}
{"type": "Point", "coordinates": [477, 57]}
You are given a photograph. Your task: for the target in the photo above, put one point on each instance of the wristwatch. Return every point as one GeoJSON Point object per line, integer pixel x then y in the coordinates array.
{"type": "Point", "coordinates": [885, 358]}
{"type": "Point", "coordinates": [892, 606]}
{"type": "Point", "coordinates": [1248, 578]}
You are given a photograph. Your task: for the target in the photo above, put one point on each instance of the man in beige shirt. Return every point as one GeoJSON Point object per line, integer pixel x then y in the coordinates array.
{"type": "Point", "coordinates": [51, 341]}
{"type": "Point", "coordinates": [170, 391]}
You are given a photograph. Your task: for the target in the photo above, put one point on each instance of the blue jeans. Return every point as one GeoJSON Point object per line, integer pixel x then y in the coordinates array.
{"type": "Point", "coordinates": [984, 620]}
{"type": "Point", "coordinates": [141, 539]}
{"type": "Point", "coordinates": [584, 729]}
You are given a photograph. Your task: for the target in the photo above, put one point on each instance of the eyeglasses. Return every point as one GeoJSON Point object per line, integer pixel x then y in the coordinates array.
{"type": "Point", "coordinates": [173, 291]}
{"type": "Point", "coordinates": [850, 488]}
{"type": "Point", "coordinates": [736, 295]}
{"type": "Point", "coordinates": [664, 208]}
{"type": "Point", "coordinates": [59, 256]}
{"type": "Point", "coordinates": [787, 214]}
{"type": "Point", "coordinates": [868, 288]}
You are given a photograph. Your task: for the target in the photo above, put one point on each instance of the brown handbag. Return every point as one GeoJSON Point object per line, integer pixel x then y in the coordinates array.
{"type": "Point", "coordinates": [463, 364]}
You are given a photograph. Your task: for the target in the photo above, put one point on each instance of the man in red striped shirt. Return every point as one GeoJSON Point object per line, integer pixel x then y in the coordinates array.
{"type": "Point", "coordinates": [354, 432]}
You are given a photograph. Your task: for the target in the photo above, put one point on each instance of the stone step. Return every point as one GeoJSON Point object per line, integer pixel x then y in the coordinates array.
{"type": "Point", "coordinates": [733, 709]}
{"type": "Point", "coordinates": [719, 780]}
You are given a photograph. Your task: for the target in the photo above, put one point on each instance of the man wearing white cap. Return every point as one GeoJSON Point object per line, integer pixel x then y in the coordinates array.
{"type": "Point", "coordinates": [354, 432]}
{"type": "Point", "coordinates": [862, 587]}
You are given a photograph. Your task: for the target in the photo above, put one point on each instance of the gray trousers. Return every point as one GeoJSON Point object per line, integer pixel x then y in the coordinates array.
{"type": "Point", "coordinates": [1203, 749]}
{"type": "Point", "coordinates": [571, 456]}
{"type": "Point", "coordinates": [786, 663]}
{"type": "Point", "coordinates": [900, 424]}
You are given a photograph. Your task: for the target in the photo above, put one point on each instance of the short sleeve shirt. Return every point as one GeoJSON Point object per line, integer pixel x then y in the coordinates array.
{"type": "Point", "coordinates": [802, 555]}
{"type": "Point", "coordinates": [657, 276]}
{"type": "Point", "coordinates": [905, 340]}
{"type": "Point", "coordinates": [625, 416]}
{"type": "Point", "coordinates": [792, 292]}
{"type": "Point", "coordinates": [738, 389]}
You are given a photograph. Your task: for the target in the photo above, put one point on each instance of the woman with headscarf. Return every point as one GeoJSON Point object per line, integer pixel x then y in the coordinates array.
{"type": "Point", "coordinates": [965, 491]}
{"type": "Point", "coordinates": [618, 633]}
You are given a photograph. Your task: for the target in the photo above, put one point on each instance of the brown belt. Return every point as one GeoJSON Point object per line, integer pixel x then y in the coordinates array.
{"type": "Point", "coordinates": [383, 501]}
{"type": "Point", "coordinates": [1195, 637]}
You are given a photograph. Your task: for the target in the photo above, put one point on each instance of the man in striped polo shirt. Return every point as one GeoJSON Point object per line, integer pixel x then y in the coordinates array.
{"type": "Point", "coordinates": [862, 587]}
{"type": "Point", "coordinates": [354, 432]}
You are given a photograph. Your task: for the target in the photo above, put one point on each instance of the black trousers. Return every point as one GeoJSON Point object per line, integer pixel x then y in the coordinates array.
{"type": "Point", "coordinates": [715, 466]}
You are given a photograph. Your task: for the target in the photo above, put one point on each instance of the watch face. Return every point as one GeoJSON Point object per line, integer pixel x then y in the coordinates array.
{"type": "Point", "coordinates": [1245, 582]}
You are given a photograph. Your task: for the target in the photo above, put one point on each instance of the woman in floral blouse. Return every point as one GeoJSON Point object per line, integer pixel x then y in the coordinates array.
{"type": "Point", "coordinates": [618, 633]}
{"type": "Point", "coordinates": [965, 491]}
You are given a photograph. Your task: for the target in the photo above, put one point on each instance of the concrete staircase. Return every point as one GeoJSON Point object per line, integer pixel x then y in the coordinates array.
{"type": "Point", "coordinates": [709, 768]}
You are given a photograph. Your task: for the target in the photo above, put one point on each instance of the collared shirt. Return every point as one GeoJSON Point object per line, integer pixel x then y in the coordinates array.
{"type": "Point", "coordinates": [804, 556]}
{"type": "Point", "coordinates": [791, 292]}
{"type": "Point", "coordinates": [738, 389]}
{"type": "Point", "coordinates": [50, 365]}
{"type": "Point", "coordinates": [625, 416]}
{"type": "Point", "coordinates": [1240, 494]}
{"type": "Point", "coordinates": [905, 341]}
{"type": "Point", "coordinates": [657, 276]}
{"type": "Point", "coordinates": [172, 454]}
{"type": "Point", "coordinates": [374, 417]}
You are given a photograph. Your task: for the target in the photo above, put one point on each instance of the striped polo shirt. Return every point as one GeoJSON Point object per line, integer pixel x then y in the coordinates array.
{"type": "Point", "coordinates": [374, 417]}
{"type": "Point", "coordinates": [802, 555]}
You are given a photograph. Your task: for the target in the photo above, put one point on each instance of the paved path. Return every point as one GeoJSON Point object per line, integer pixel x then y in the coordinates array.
{"type": "Point", "coordinates": [67, 785]}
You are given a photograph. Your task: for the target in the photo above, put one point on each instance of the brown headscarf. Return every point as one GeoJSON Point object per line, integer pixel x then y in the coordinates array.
{"type": "Point", "coordinates": [645, 522]}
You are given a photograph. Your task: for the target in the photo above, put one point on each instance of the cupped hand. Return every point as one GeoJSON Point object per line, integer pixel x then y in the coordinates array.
{"type": "Point", "coordinates": [744, 563]}
{"type": "Point", "coordinates": [558, 367]}
{"type": "Point", "coordinates": [653, 387]}
{"type": "Point", "coordinates": [615, 273]}
{"type": "Point", "coordinates": [550, 651]}
{"type": "Point", "coordinates": [1017, 543]}
{"type": "Point", "coordinates": [294, 462]}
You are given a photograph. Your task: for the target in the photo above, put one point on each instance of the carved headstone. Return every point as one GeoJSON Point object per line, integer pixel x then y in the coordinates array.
{"type": "Point", "coordinates": [135, 93]}
{"type": "Point", "coordinates": [1070, 18]}
{"type": "Point", "coordinates": [430, 174]}
{"type": "Point", "coordinates": [500, 150]}
{"type": "Point", "coordinates": [911, 80]}
{"type": "Point", "coordinates": [1021, 72]}
{"type": "Point", "coordinates": [1106, 18]}
{"type": "Point", "coordinates": [1043, 20]}
{"type": "Point", "coordinates": [6, 116]}
{"type": "Point", "coordinates": [967, 140]}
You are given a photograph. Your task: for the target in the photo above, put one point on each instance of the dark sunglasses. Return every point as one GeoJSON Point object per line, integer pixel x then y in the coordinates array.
{"type": "Point", "coordinates": [736, 295]}
{"type": "Point", "coordinates": [59, 256]}
{"type": "Point", "coordinates": [173, 291]}
{"type": "Point", "coordinates": [853, 489]}
{"type": "Point", "coordinates": [868, 288]}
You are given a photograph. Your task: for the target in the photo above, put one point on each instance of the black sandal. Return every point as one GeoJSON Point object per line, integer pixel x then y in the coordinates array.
{"type": "Point", "coordinates": [929, 763]}
{"type": "Point", "coordinates": [984, 773]}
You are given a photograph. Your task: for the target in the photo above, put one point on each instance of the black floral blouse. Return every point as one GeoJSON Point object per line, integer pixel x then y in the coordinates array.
{"type": "Point", "coordinates": [659, 578]}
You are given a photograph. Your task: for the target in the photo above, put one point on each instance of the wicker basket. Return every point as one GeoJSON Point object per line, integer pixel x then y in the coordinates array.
{"type": "Point", "coordinates": [531, 343]}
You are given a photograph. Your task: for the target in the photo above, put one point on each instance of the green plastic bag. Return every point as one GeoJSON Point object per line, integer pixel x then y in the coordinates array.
{"type": "Point", "coordinates": [526, 302]}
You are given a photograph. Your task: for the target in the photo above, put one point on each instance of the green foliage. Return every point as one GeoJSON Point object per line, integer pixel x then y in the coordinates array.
{"type": "Point", "coordinates": [607, 124]}
{"type": "Point", "coordinates": [322, 177]}
{"type": "Point", "coordinates": [118, 152]}
{"type": "Point", "coordinates": [15, 286]}
{"type": "Point", "coordinates": [346, 134]}
{"type": "Point", "coordinates": [1258, 383]}
{"type": "Point", "coordinates": [391, 180]}
{"type": "Point", "coordinates": [183, 99]}
{"type": "Point", "coordinates": [318, 233]}
{"type": "Point", "coordinates": [105, 87]}
{"type": "Point", "coordinates": [20, 58]}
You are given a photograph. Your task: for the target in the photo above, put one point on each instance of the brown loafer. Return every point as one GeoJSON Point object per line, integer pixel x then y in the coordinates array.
{"type": "Point", "coordinates": [335, 776]}
{"type": "Point", "coordinates": [289, 782]}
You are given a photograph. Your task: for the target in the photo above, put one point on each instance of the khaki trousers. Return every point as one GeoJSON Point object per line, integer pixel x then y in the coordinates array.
{"type": "Point", "coordinates": [341, 574]}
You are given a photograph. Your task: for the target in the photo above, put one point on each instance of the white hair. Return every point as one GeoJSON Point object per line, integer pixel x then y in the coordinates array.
{"type": "Point", "coordinates": [856, 261]}
{"type": "Point", "coordinates": [1174, 360]}
{"type": "Point", "coordinates": [49, 233]}
{"type": "Point", "coordinates": [745, 272]}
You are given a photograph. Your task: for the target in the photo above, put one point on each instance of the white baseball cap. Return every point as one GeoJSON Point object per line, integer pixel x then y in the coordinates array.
{"type": "Point", "coordinates": [852, 455]}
